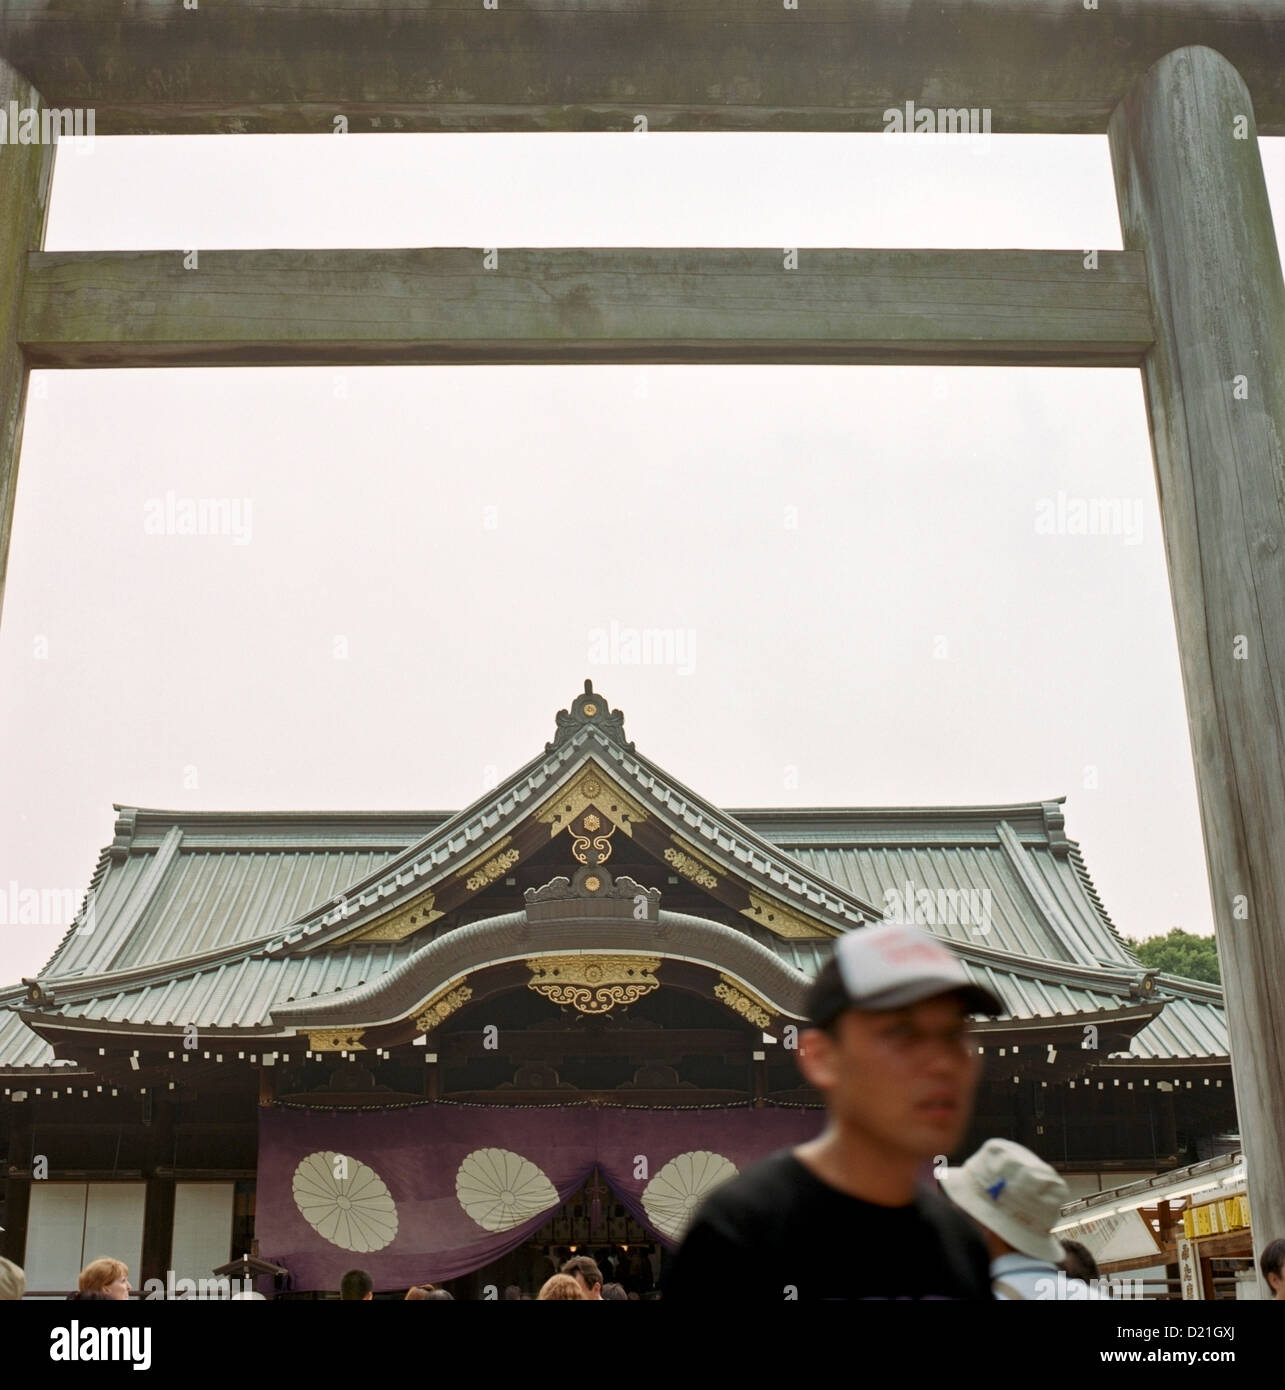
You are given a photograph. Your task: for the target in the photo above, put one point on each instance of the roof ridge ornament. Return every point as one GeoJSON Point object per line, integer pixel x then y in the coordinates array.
{"type": "Point", "coordinates": [1055, 828]}
{"type": "Point", "coordinates": [1143, 986]}
{"type": "Point", "coordinates": [592, 891]}
{"type": "Point", "coordinates": [589, 709]}
{"type": "Point", "coordinates": [39, 995]}
{"type": "Point", "coordinates": [123, 831]}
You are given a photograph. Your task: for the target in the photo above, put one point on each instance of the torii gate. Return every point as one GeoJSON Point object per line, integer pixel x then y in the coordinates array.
{"type": "Point", "coordinates": [1197, 299]}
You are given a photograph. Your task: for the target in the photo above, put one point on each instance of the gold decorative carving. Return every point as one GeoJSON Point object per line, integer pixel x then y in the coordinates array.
{"type": "Point", "coordinates": [590, 709]}
{"type": "Point", "coordinates": [488, 866]}
{"type": "Point", "coordinates": [442, 1005]}
{"type": "Point", "coordinates": [744, 1002]}
{"type": "Point", "coordinates": [337, 1040]}
{"type": "Point", "coordinates": [591, 788]}
{"type": "Point", "coordinates": [782, 920]}
{"type": "Point", "coordinates": [401, 923]}
{"type": "Point", "coordinates": [593, 984]}
{"type": "Point", "coordinates": [601, 844]}
{"type": "Point", "coordinates": [690, 867]}
{"type": "Point", "coordinates": [492, 869]}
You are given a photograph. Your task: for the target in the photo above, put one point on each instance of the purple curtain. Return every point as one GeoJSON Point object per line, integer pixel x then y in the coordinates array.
{"type": "Point", "coordinates": [426, 1193]}
{"type": "Point", "coordinates": [661, 1162]}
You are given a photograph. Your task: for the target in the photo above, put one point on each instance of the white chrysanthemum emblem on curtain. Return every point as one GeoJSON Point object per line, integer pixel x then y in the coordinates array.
{"type": "Point", "coordinates": [671, 1197]}
{"type": "Point", "coordinates": [345, 1202]}
{"type": "Point", "coordinates": [500, 1189]}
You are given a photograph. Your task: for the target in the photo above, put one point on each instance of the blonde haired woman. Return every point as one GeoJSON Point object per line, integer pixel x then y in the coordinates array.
{"type": "Point", "coordinates": [103, 1279]}
{"type": "Point", "coordinates": [560, 1286]}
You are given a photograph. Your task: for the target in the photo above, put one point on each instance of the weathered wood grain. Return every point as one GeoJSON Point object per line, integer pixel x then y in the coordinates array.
{"type": "Point", "coordinates": [436, 65]}
{"type": "Point", "coordinates": [24, 189]}
{"type": "Point", "coordinates": [253, 308]}
{"type": "Point", "coordinates": [1191, 189]}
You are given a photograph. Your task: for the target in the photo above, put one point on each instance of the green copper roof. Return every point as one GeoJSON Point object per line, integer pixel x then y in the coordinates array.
{"type": "Point", "coordinates": [222, 914]}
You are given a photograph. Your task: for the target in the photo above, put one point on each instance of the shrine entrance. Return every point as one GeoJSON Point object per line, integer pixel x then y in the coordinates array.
{"type": "Point", "coordinates": [594, 1222]}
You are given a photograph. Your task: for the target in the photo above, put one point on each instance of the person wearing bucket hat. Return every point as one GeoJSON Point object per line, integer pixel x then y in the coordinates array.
{"type": "Point", "coordinates": [1015, 1199]}
{"type": "Point", "coordinates": [889, 1049]}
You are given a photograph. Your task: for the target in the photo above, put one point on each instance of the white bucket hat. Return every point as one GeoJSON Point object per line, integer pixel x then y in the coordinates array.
{"type": "Point", "coordinates": [1010, 1191]}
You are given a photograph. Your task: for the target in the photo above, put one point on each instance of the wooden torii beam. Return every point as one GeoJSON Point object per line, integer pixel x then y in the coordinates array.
{"type": "Point", "coordinates": [1183, 122]}
{"type": "Point", "coordinates": [262, 308]}
{"type": "Point", "coordinates": [155, 66]}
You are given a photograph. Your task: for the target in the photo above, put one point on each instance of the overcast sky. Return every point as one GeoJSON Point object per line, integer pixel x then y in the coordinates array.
{"type": "Point", "coordinates": [872, 592]}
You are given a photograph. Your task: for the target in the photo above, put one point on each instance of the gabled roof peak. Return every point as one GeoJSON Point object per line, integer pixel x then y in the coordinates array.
{"type": "Point", "coordinates": [589, 710]}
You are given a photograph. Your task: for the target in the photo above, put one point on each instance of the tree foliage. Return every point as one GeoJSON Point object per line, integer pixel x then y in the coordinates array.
{"type": "Point", "coordinates": [1182, 953]}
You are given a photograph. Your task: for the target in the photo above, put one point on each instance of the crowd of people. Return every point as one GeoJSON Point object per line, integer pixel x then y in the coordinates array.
{"type": "Point", "coordinates": [890, 1049]}
{"type": "Point", "coordinates": [580, 1278]}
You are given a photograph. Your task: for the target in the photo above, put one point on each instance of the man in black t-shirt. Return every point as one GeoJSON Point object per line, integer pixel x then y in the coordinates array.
{"type": "Point", "coordinates": [849, 1215]}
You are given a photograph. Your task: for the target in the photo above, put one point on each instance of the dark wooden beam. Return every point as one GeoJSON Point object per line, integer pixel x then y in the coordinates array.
{"type": "Point", "coordinates": [1235, 1245]}
{"type": "Point", "coordinates": [308, 307]}
{"type": "Point", "coordinates": [158, 1208]}
{"type": "Point", "coordinates": [442, 65]}
{"type": "Point", "coordinates": [17, 1180]}
{"type": "Point", "coordinates": [677, 1095]}
{"type": "Point", "coordinates": [657, 1043]}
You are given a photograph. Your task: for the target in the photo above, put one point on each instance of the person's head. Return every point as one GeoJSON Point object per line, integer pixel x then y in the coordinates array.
{"type": "Point", "coordinates": [108, 1277]}
{"type": "Point", "coordinates": [512, 1294]}
{"type": "Point", "coordinates": [614, 1293]}
{"type": "Point", "coordinates": [356, 1286]}
{"type": "Point", "coordinates": [418, 1292]}
{"type": "Point", "coordinates": [889, 1046]}
{"type": "Point", "coordinates": [439, 1296]}
{"type": "Point", "coordinates": [13, 1282]}
{"type": "Point", "coordinates": [1078, 1261]}
{"type": "Point", "coordinates": [1272, 1264]}
{"type": "Point", "coordinates": [558, 1287]}
{"type": "Point", "coordinates": [1013, 1196]}
{"type": "Point", "coordinates": [586, 1273]}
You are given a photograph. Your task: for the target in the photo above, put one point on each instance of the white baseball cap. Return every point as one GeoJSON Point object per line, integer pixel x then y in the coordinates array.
{"type": "Point", "coordinates": [1012, 1192]}
{"type": "Point", "coordinates": [890, 965]}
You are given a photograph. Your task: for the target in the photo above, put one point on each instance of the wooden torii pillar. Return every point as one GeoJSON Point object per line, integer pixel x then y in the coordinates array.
{"type": "Point", "coordinates": [25, 177]}
{"type": "Point", "coordinates": [1195, 300]}
{"type": "Point", "coordinates": [1190, 185]}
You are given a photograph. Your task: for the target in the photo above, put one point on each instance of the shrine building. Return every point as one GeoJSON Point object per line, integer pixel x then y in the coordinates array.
{"type": "Point", "coordinates": [452, 1047]}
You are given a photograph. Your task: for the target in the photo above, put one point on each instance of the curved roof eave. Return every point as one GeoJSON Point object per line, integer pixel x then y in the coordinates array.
{"type": "Point", "coordinates": [510, 937]}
